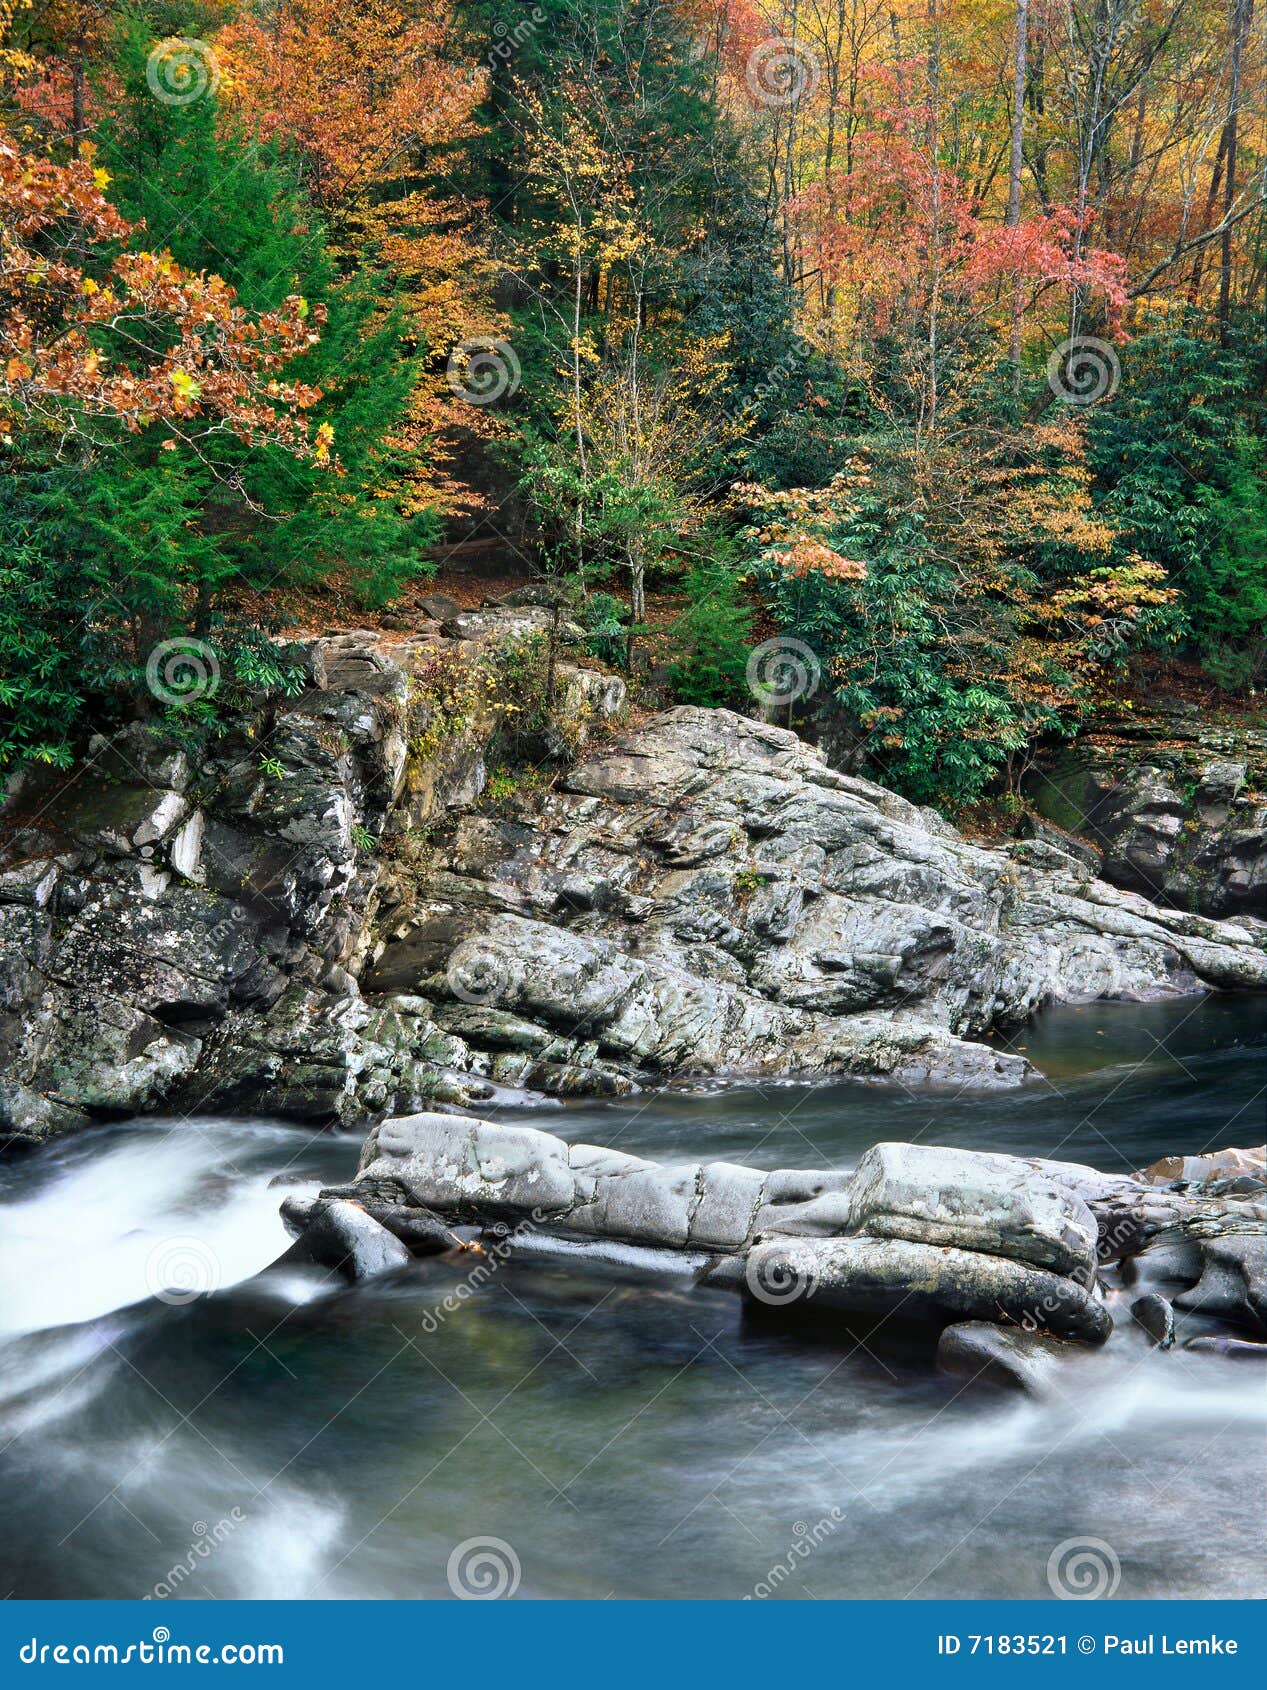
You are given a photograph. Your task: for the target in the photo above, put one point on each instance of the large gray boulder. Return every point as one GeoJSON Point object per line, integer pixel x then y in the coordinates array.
{"type": "Point", "coordinates": [706, 895]}
{"type": "Point", "coordinates": [460, 1166]}
{"type": "Point", "coordinates": [183, 924]}
{"type": "Point", "coordinates": [341, 1235]}
{"type": "Point", "coordinates": [974, 1200]}
{"type": "Point", "coordinates": [875, 1278]}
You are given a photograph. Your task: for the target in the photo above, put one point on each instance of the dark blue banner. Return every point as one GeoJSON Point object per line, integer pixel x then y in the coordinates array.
{"type": "Point", "coordinates": [625, 1644]}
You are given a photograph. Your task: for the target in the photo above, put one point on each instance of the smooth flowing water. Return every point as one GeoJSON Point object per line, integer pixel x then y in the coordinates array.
{"type": "Point", "coordinates": [616, 1430]}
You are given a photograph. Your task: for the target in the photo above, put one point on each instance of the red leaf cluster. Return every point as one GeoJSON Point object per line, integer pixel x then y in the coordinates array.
{"type": "Point", "coordinates": [91, 327]}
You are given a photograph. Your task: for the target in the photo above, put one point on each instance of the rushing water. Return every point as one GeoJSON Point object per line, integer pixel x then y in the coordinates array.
{"type": "Point", "coordinates": [619, 1431]}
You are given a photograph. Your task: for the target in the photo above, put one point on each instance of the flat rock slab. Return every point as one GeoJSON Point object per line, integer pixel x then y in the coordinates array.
{"type": "Point", "coordinates": [973, 1200]}
{"type": "Point", "coordinates": [922, 1282]}
{"type": "Point", "coordinates": [1240, 1349]}
{"type": "Point", "coordinates": [1250, 1163]}
{"type": "Point", "coordinates": [477, 1170]}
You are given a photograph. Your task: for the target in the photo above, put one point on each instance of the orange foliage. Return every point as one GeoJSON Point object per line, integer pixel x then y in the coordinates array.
{"type": "Point", "coordinates": [184, 353]}
{"type": "Point", "coordinates": [375, 97]}
{"type": "Point", "coordinates": [358, 86]}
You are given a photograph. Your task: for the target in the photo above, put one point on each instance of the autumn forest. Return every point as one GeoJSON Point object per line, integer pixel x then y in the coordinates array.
{"type": "Point", "coordinates": [898, 357]}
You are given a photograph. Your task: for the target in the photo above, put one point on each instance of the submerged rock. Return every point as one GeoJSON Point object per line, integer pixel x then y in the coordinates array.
{"type": "Point", "coordinates": [1239, 1349]}
{"type": "Point", "coordinates": [979, 1352]}
{"type": "Point", "coordinates": [1233, 1280]}
{"type": "Point", "coordinates": [418, 1228]}
{"type": "Point", "coordinates": [1153, 1314]}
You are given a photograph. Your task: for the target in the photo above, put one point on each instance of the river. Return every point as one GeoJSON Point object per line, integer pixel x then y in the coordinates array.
{"type": "Point", "coordinates": [612, 1429]}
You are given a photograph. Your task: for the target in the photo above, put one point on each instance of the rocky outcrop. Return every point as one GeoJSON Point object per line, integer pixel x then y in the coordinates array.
{"type": "Point", "coordinates": [1175, 806]}
{"type": "Point", "coordinates": [183, 917]}
{"type": "Point", "coordinates": [917, 1233]}
{"type": "Point", "coordinates": [319, 912]}
{"type": "Point", "coordinates": [706, 895]}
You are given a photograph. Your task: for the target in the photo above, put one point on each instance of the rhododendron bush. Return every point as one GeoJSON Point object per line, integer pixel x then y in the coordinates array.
{"type": "Point", "coordinates": [964, 599]}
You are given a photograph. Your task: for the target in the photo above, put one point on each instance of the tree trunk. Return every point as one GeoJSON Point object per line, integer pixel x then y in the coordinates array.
{"type": "Point", "coordinates": [637, 600]}
{"type": "Point", "coordinates": [934, 162]}
{"type": "Point", "coordinates": [1242, 11]}
{"type": "Point", "coordinates": [1015, 164]}
{"type": "Point", "coordinates": [78, 119]}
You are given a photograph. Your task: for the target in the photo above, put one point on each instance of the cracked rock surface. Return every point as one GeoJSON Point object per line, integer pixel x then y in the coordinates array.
{"type": "Point", "coordinates": [307, 916]}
